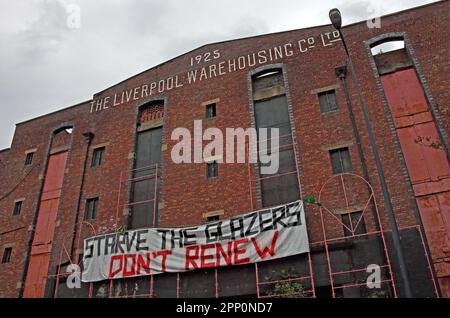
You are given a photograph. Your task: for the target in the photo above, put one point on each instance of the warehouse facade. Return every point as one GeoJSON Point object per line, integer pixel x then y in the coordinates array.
{"type": "Point", "coordinates": [106, 165]}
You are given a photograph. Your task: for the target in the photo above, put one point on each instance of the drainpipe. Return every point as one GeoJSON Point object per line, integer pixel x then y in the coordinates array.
{"type": "Point", "coordinates": [32, 228]}
{"type": "Point", "coordinates": [341, 73]}
{"type": "Point", "coordinates": [88, 140]}
{"type": "Point", "coordinates": [396, 240]}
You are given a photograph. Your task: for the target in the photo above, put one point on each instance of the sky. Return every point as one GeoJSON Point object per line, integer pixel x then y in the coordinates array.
{"type": "Point", "coordinates": [58, 53]}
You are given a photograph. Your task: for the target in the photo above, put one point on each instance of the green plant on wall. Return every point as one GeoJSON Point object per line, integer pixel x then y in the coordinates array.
{"type": "Point", "coordinates": [290, 290]}
{"type": "Point", "coordinates": [286, 288]}
{"type": "Point", "coordinates": [374, 293]}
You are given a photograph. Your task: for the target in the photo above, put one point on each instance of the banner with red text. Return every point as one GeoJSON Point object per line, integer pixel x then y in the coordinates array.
{"type": "Point", "coordinates": [254, 237]}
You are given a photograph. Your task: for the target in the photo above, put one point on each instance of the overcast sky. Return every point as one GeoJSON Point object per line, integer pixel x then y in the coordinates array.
{"type": "Point", "coordinates": [45, 65]}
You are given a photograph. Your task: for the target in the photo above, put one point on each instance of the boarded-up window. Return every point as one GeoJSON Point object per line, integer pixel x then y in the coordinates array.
{"type": "Point", "coordinates": [211, 111]}
{"type": "Point", "coordinates": [237, 281]}
{"type": "Point", "coordinates": [213, 218]}
{"type": "Point", "coordinates": [353, 222]}
{"type": "Point", "coordinates": [340, 160]}
{"type": "Point", "coordinates": [328, 101]}
{"type": "Point", "coordinates": [198, 284]}
{"type": "Point", "coordinates": [7, 255]}
{"type": "Point", "coordinates": [97, 157]}
{"type": "Point", "coordinates": [91, 209]}
{"type": "Point", "coordinates": [165, 285]}
{"type": "Point", "coordinates": [17, 208]}
{"type": "Point", "coordinates": [147, 170]}
{"type": "Point", "coordinates": [212, 170]}
{"type": "Point", "coordinates": [29, 159]}
{"type": "Point", "coordinates": [271, 112]}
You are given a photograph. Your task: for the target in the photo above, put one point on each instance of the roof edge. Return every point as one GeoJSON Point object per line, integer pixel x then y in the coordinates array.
{"type": "Point", "coordinates": [54, 112]}
{"type": "Point", "coordinates": [204, 46]}
{"type": "Point", "coordinates": [399, 12]}
{"type": "Point", "coordinates": [222, 42]}
{"type": "Point", "coordinates": [257, 36]}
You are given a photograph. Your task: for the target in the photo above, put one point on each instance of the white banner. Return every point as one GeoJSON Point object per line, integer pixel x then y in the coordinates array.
{"type": "Point", "coordinates": [258, 236]}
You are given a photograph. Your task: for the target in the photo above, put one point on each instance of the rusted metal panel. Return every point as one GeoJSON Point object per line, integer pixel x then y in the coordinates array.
{"type": "Point", "coordinates": [433, 151]}
{"type": "Point", "coordinates": [424, 156]}
{"type": "Point", "coordinates": [434, 224]}
{"type": "Point", "coordinates": [415, 160]}
{"type": "Point", "coordinates": [36, 276]}
{"type": "Point", "coordinates": [55, 172]}
{"type": "Point", "coordinates": [415, 119]}
{"type": "Point", "coordinates": [444, 202]}
{"type": "Point", "coordinates": [427, 164]}
{"type": "Point", "coordinates": [444, 283]}
{"type": "Point", "coordinates": [417, 131]}
{"type": "Point", "coordinates": [404, 93]}
{"type": "Point", "coordinates": [50, 199]}
{"type": "Point", "coordinates": [45, 227]}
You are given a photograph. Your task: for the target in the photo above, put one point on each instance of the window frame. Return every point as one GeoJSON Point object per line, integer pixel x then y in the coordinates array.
{"type": "Point", "coordinates": [29, 159]}
{"type": "Point", "coordinates": [91, 215]}
{"type": "Point", "coordinates": [325, 109]}
{"type": "Point", "coordinates": [342, 168]}
{"type": "Point", "coordinates": [213, 218]}
{"type": "Point", "coordinates": [7, 255]}
{"type": "Point", "coordinates": [18, 205]}
{"type": "Point", "coordinates": [354, 217]}
{"type": "Point", "coordinates": [96, 161]}
{"type": "Point", "coordinates": [212, 106]}
{"type": "Point", "coordinates": [215, 164]}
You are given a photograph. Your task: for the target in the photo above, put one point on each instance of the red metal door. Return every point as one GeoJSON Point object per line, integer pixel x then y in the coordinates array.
{"type": "Point", "coordinates": [427, 164]}
{"type": "Point", "coordinates": [45, 227]}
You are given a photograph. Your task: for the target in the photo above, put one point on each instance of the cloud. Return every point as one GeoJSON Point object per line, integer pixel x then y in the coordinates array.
{"type": "Point", "coordinates": [45, 66]}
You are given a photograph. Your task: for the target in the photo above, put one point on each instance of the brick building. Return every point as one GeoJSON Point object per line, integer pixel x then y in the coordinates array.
{"type": "Point", "coordinates": [105, 163]}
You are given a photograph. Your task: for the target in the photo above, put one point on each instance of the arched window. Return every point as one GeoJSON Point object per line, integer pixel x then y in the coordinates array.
{"type": "Point", "coordinates": [388, 46]}
{"type": "Point", "coordinates": [62, 138]}
{"type": "Point", "coordinates": [390, 55]}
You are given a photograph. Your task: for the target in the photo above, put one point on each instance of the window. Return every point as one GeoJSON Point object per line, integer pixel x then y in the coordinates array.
{"type": "Point", "coordinates": [29, 159]}
{"type": "Point", "coordinates": [340, 160]}
{"type": "Point", "coordinates": [7, 255]}
{"type": "Point", "coordinates": [269, 73]}
{"type": "Point", "coordinates": [328, 101]}
{"type": "Point", "coordinates": [271, 110]}
{"type": "Point", "coordinates": [388, 47]}
{"type": "Point", "coordinates": [212, 170]}
{"type": "Point", "coordinates": [213, 218]}
{"type": "Point", "coordinates": [211, 111]}
{"type": "Point", "coordinates": [357, 228]}
{"type": "Point", "coordinates": [97, 157]}
{"type": "Point", "coordinates": [91, 209]}
{"type": "Point", "coordinates": [17, 208]}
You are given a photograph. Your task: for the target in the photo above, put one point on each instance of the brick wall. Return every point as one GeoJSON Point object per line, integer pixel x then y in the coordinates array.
{"type": "Point", "coordinates": [186, 192]}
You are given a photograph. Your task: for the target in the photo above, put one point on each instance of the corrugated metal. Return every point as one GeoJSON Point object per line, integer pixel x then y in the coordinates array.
{"type": "Point", "coordinates": [45, 227]}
